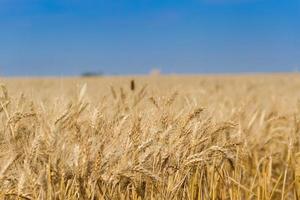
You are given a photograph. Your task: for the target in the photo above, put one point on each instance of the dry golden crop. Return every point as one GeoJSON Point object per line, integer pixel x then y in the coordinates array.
{"type": "Point", "coordinates": [155, 137]}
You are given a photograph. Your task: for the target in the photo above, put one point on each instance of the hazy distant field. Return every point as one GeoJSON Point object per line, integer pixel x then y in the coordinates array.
{"type": "Point", "coordinates": [168, 137]}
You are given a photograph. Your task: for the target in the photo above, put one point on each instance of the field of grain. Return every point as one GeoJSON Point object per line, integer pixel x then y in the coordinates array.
{"type": "Point", "coordinates": [152, 137]}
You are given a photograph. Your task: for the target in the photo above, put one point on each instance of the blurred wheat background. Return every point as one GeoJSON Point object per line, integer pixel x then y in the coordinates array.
{"type": "Point", "coordinates": [152, 137]}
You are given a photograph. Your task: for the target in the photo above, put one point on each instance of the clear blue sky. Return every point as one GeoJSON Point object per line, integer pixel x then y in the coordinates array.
{"type": "Point", "coordinates": [68, 37]}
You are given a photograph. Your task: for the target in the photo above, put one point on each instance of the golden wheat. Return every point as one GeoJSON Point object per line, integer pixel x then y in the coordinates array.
{"type": "Point", "coordinates": [158, 137]}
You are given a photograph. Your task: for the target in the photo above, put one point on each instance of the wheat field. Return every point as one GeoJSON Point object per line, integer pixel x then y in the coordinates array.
{"type": "Point", "coordinates": [150, 137]}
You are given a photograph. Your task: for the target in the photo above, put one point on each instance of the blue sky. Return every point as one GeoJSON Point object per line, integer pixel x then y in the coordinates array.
{"type": "Point", "coordinates": [69, 37]}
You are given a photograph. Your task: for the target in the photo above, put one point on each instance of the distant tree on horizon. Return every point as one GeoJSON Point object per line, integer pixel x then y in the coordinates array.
{"type": "Point", "coordinates": [91, 74]}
